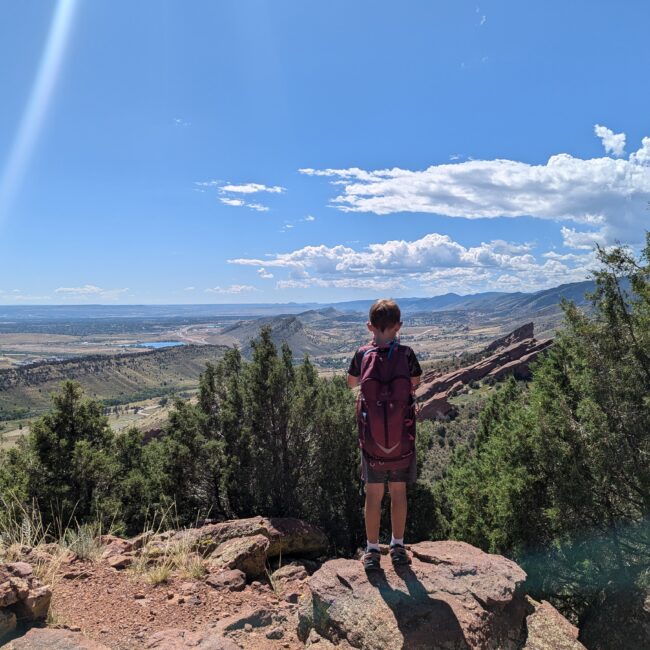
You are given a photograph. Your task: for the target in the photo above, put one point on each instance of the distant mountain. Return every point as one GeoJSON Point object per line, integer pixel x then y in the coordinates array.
{"type": "Point", "coordinates": [488, 301]}
{"type": "Point", "coordinates": [498, 302]}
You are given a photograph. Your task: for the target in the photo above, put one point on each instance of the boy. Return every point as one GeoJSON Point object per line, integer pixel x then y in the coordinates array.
{"type": "Point", "coordinates": [385, 363]}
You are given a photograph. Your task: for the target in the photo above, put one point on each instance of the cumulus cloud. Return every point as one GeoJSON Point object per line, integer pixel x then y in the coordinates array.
{"type": "Point", "coordinates": [613, 142]}
{"type": "Point", "coordinates": [90, 291]}
{"type": "Point", "coordinates": [584, 240]}
{"type": "Point", "coordinates": [342, 283]}
{"type": "Point", "coordinates": [610, 193]}
{"type": "Point", "coordinates": [232, 289]}
{"type": "Point", "coordinates": [434, 262]}
{"type": "Point", "coordinates": [263, 273]}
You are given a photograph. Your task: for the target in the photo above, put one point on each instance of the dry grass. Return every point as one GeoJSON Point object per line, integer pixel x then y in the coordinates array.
{"type": "Point", "coordinates": [157, 563]}
{"type": "Point", "coordinates": [84, 541]}
{"type": "Point", "coordinates": [160, 573]}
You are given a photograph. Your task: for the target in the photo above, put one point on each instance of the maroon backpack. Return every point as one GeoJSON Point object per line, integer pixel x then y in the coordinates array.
{"type": "Point", "coordinates": [385, 407]}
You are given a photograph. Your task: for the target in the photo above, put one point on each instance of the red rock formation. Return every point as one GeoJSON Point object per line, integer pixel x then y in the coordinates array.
{"type": "Point", "coordinates": [452, 595]}
{"type": "Point", "coordinates": [511, 355]}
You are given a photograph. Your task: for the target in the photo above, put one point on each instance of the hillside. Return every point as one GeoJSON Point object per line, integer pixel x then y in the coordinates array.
{"type": "Point", "coordinates": [116, 379]}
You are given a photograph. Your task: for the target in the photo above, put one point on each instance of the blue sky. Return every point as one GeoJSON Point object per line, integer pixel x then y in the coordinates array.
{"type": "Point", "coordinates": [272, 151]}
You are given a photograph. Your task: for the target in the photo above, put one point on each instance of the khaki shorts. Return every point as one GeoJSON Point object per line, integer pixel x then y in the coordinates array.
{"type": "Point", "coordinates": [370, 475]}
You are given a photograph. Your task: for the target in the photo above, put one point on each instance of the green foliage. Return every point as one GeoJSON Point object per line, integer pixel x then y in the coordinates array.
{"type": "Point", "coordinates": [272, 439]}
{"type": "Point", "coordinates": [68, 458]}
{"type": "Point", "coordinates": [264, 437]}
{"type": "Point", "coordinates": [560, 477]}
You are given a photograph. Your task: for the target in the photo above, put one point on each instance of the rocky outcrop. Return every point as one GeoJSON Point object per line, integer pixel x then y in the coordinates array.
{"type": "Point", "coordinates": [547, 629]}
{"type": "Point", "coordinates": [286, 535]}
{"type": "Point", "coordinates": [245, 545]}
{"type": "Point", "coordinates": [248, 554]}
{"type": "Point", "coordinates": [520, 334]}
{"type": "Point", "coordinates": [510, 355]}
{"type": "Point", "coordinates": [23, 599]}
{"type": "Point", "coordinates": [452, 596]}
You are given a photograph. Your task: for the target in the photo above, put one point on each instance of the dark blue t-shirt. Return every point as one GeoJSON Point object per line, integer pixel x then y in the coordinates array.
{"type": "Point", "coordinates": [414, 366]}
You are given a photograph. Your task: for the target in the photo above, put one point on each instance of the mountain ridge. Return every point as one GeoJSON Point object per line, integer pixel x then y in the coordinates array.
{"type": "Point", "coordinates": [447, 300]}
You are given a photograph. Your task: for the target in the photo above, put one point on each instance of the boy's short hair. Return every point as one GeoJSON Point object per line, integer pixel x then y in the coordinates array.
{"type": "Point", "coordinates": [384, 314]}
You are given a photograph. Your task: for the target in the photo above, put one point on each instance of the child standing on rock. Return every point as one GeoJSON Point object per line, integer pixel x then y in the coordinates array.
{"type": "Point", "coordinates": [387, 373]}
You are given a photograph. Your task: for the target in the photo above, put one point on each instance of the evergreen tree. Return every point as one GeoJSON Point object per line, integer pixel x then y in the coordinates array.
{"type": "Point", "coordinates": [560, 477]}
{"type": "Point", "coordinates": [69, 453]}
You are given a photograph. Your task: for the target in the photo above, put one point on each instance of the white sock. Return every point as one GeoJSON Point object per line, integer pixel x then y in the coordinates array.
{"type": "Point", "coordinates": [394, 540]}
{"type": "Point", "coordinates": [372, 547]}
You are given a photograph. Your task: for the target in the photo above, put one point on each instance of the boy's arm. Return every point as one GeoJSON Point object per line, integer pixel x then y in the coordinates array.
{"type": "Point", "coordinates": [354, 371]}
{"type": "Point", "coordinates": [414, 369]}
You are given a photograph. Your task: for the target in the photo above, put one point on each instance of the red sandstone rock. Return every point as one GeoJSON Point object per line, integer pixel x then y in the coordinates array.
{"type": "Point", "coordinates": [512, 355]}
{"type": "Point", "coordinates": [286, 535]}
{"type": "Point", "coordinates": [233, 580]}
{"type": "Point", "coordinates": [452, 596]}
{"type": "Point", "coordinates": [248, 554]}
{"type": "Point", "coordinates": [548, 629]}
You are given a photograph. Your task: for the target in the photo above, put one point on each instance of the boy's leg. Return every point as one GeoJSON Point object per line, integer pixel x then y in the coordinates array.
{"type": "Point", "coordinates": [374, 495]}
{"type": "Point", "coordinates": [397, 508]}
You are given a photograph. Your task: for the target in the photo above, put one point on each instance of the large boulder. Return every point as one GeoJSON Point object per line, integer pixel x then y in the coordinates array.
{"type": "Point", "coordinates": [286, 535]}
{"type": "Point", "coordinates": [453, 595]}
{"type": "Point", "coordinates": [248, 554]}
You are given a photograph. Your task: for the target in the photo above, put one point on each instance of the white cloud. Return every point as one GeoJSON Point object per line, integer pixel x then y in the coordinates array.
{"type": "Point", "coordinates": [434, 262]}
{"type": "Point", "coordinates": [309, 218]}
{"type": "Point", "coordinates": [257, 206]}
{"type": "Point", "coordinates": [606, 192]}
{"type": "Point", "coordinates": [483, 20]}
{"type": "Point", "coordinates": [243, 188]}
{"type": "Point", "coordinates": [583, 240]}
{"type": "Point", "coordinates": [233, 289]}
{"type": "Point", "coordinates": [239, 203]}
{"type": "Point", "coordinates": [343, 283]}
{"type": "Point", "coordinates": [189, 289]}
{"type": "Point", "coordinates": [251, 188]}
{"type": "Point", "coordinates": [264, 273]}
{"type": "Point", "coordinates": [642, 156]}
{"type": "Point", "coordinates": [214, 183]}
{"type": "Point", "coordinates": [90, 291]}
{"type": "Point", "coordinates": [178, 121]}
{"type": "Point", "coordinates": [233, 202]}
{"type": "Point", "coordinates": [613, 142]}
